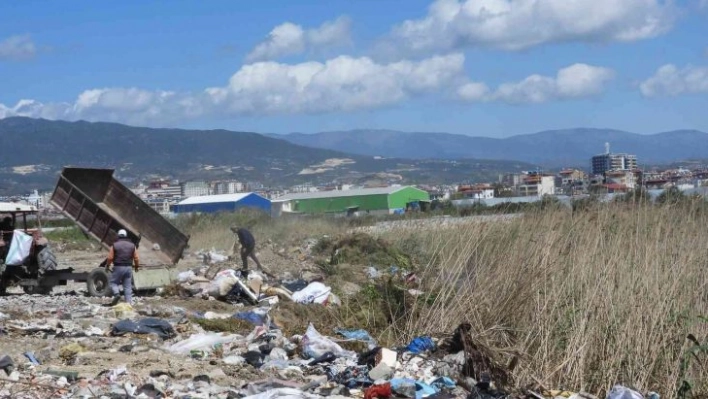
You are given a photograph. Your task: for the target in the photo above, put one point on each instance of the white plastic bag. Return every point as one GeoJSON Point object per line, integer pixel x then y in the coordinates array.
{"type": "Point", "coordinates": [205, 342]}
{"type": "Point", "coordinates": [20, 248]}
{"type": "Point", "coordinates": [622, 392]}
{"type": "Point", "coordinates": [283, 393]}
{"type": "Point", "coordinates": [315, 292]}
{"type": "Point", "coordinates": [222, 283]}
{"type": "Point", "coordinates": [315, 345]}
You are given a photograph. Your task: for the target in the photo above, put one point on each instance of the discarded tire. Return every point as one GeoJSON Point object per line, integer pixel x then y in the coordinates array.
{"type": "Point", "coordinates": [37, 289]}
{"type": "Point", "coordinates": [98, 283]}
{"type": "Point", "coordinates": [46, 260]}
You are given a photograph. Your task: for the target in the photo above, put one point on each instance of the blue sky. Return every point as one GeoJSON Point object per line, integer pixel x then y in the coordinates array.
{"type": "Point", "coordinates": [479, 67]}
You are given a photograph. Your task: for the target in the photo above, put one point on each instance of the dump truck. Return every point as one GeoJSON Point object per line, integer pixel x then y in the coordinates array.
{"type": "Point", "coordinates": [100, 206]}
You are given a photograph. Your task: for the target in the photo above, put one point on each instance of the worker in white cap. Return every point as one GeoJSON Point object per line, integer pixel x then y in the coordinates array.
{"type": "Point", "coordinates": [124, 256]}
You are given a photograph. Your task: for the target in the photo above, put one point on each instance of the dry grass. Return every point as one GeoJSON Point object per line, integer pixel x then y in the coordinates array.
{"type": "Point", "coordinates": [586, 299]}
{"type": "Point", "coordinates": [589, 299]}
{"type": "Point", "coordinates": [213, 231]}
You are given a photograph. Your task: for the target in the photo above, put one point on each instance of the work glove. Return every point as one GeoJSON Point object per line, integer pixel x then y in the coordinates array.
{"type": "Point", "coordinates": [136, 268]}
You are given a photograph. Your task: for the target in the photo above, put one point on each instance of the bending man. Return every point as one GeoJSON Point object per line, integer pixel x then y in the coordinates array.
{"type": "Point", "coordinates": [248, 245]}
{"type": "Point", "coordinates": [124, 256]}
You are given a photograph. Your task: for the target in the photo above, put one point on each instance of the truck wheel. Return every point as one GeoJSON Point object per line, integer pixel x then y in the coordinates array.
{"type": "Point", "coordinates": [98, 283]}
{"type": "Point", "coordinates": [37, 289]}
{"type": "Point", "coordinates": [46, 260]}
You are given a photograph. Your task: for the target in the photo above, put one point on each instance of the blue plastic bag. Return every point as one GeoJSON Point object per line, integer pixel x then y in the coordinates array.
{"type": "Point", "coordinates": [420, 345]}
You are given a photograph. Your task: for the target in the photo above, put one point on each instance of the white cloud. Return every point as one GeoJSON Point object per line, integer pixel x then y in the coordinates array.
{"type": "Point", "coordinates": [291, 39]}
{"type": "Point", "coordinates": [575, 81]}
{"type": "Point", "coordinates": [17, 48]}
{"type": "Point", "coordinates": [340, 84]}
{"type": "Point", "coordinates": [520, 24]}
{"type": "Point", "coordinates": [669, 80]}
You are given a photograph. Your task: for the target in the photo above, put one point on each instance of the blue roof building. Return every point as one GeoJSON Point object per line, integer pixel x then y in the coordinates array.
{"type": "Point", "coordinates": [222, 203]}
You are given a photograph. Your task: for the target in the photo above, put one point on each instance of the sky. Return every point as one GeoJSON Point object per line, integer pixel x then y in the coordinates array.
{"type": "Point", "coordinates": [492, 68]}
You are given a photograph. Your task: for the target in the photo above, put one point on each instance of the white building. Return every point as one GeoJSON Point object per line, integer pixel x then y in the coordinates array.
{"type": "Point", "coordinates": [625, 178]}
{"type": "Point", "coordinates": [537, 186]}
{"type": "Point", "coordinates": [195, 188]}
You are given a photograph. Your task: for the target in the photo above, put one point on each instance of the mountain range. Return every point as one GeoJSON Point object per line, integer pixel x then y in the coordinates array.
{"type": "Point", "coordinates": [551, 148]}
{"type": "Point", "coordinates": [35, 150]}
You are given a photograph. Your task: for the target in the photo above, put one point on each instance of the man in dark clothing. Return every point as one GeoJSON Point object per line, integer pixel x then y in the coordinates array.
{"type": "Point", "coordinates": [248, 245]}
{"type": "Point", "coordinates": [124, 256]}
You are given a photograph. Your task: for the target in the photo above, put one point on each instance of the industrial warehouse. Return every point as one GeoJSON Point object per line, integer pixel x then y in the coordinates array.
{"type": "Point", "coordinates": [384, 200]}
{"type": "Point", "coordinates": [222, 203]}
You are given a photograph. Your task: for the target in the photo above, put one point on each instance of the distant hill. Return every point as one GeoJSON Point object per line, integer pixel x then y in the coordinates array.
{"type": "Point", "coordinates": [35, 150]}
{"type": "Point", "coordinates": [552, 148]}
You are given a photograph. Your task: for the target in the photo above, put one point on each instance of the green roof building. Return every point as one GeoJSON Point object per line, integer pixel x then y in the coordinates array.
{"type": "Point", "coordinates": [367, 200]}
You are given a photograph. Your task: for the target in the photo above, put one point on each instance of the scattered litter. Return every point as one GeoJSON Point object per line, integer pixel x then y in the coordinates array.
{"type": "Point", "coordinates": [420, 345]}
{"type": "Point", "coordinates": [315, 345]}
{"type": "Point", "coordinates": [158, 327]}
{"type": "Point", "coordinates": [315, 292]}
{"type": "Point", "coordinates": [358, 335]}
{"type": "Point", "coordinates": [202, 341]}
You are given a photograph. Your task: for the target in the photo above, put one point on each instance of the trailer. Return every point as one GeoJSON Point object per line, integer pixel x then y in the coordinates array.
{"type": "Point", "coordinates": [100, 206]}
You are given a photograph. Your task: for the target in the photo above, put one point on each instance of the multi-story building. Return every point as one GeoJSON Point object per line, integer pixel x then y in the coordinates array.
{"type": "Point", "coordinates": [626, 178]}
{"type": "Point", "coordinates": [536, 185]}
{"type": "Point", "coordinates": [607, 162]}
{"type": "Point", "coordinates": [568, 177]}
{"type": "Point", "coordinates": [195, 188]}
{"type": "Point", "coordinates": [227, 187]}
{"type": "Point", "coordinates": [476, 191]}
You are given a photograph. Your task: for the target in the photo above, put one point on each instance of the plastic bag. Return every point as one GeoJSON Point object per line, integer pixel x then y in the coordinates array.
{"type": "Point", "coordinates": [222, 283]}
{"type": "Point", "coordinates": [315, 292]}
{"type": "Point", "coordinates": [360, 335]}
{"type": "Point", "coordinates": [20, 248]}
{"type": "Point", "coordinates": [622, 392]}
{"type": "Point", "coordinates": [420, 344]}
{"type": "Point", "coordinates": [283, 393]}
{"type": "Point", "coordinates": [315, 345]}
{"type": "Point", "coordinates": [205, 342]}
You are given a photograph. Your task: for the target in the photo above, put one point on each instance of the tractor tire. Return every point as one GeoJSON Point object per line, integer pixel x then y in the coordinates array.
{"type": "Point", "coordinates": [98, 283]}
{"type": "Point", "coordinates": [46, 260]}
{"type": "Point", "coordinates": [37, 289]}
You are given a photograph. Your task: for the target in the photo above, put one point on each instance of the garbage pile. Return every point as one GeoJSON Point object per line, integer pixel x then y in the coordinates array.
{"type": "Point", "coordinates": [252, 288]}
{"type": "Point", "coordinates": [265, 364]}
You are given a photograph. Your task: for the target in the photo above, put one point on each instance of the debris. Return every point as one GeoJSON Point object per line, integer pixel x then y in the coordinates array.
{"type": "Point", "coordinates": [315, 292]}
{"type": "Point", "coordinates": [315, 345]}
{"type": "Point", "coordinates": [622, 392]}
{"type": "Point", "coordinates": [381, 372]}
{"type": "Point", "coordinates": [158, 327]}
{"type": "Point", "coordinates": [358, 335]}
{"type": "Point", "coordinates": [203, 341]}
{"type": "Point", "coordinates": [7, 364]}
{"type": "Point", "coordinates": [378, 391]}
{"type": "Point", "coordinates": [420, 345]}
{"type": "Point", "coordinates": [70, 351]}
{"type": "Point", "coordinates": [31, 358]}
{"type": "Point", "coordinates": [71, 376]}
{"type": "Point", "coordinates": [386, 356]}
